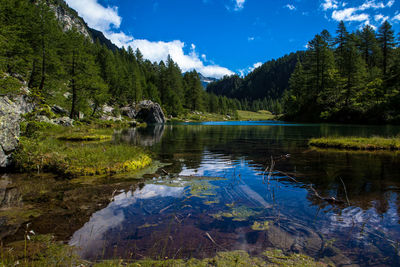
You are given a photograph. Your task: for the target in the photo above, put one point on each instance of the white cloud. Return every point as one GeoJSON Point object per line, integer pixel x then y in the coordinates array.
{"type": "Point", "coordinates": [291, 7]}
{"type": "Point", "coordinates": [239, 4]}
{"type": "Point", "coordinates": [381, 18]}
{"type": "Point", "coordinates": [329, 4]}
{"type": "Point", "coordinates": [356, 13]}
{"type": "Point", "coordinates": [397, 17]}
{"type": "Point", "coordinates": [108, 21]}
{"type": "Point", "coordinates": [251, 38]}
{"type": "Point", "coordinates": [95, 15]}
{"type": "Point", "coordinates": [348, 14]}
{"type": "Point", "coordinates": [244, 72]}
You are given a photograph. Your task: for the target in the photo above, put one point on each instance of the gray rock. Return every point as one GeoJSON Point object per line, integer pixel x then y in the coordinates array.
{"type": "Point", "coordinates": [150, 112]}
{"type": "Point", "coordinates": [10, 116]}
{"type": "Point", "coordinates": [146, 111]}
{"type": "Point", "coordinates": [107, 109]}
{"type": "Point", "coordinates": [110, 118]}
{"type": "Point", "coordinates": [64, 121]}
{"type": "Point", "coordinates": [42, 118]}
{"type": "Point", "coordinates": [128, 111]}
{"type": "Point", "coordinates": [59, 110]}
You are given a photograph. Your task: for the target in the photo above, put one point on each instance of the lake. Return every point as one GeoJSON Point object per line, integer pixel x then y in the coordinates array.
{"type": "Point", "coordinates": [248, 186]}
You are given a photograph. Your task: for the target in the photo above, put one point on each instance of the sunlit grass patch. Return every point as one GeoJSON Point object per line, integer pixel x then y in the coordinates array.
{"type": "Point", "coordinates": [357, 143]}
{"type": "Point", "coordinates": [47, 152]}
{"type": "Point", "coordinates": [261, 115]}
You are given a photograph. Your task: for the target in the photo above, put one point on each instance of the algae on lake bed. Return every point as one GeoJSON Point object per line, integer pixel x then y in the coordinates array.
{"type": "Point", "coordinates": [241, 213]}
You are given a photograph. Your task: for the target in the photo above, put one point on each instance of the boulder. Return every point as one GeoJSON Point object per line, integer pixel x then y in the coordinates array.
{"type": "Point", "coordinates": [64, 121]}
{"type": "Point", "coordinates": [146, 111]}
{"type": "Point", "coordinates": [149, 112]}
{"type": "Point", "coordinates": [10, 116]}
{"type": "Point", "coordinates": [59, 110]}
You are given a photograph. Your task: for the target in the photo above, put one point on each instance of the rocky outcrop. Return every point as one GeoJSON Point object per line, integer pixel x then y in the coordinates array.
{"type": "Point", "coordinates": [146, 111]}
{"type": "Point", "coordinates": [10, 117]}
{"type": "Point", "coordinates": [69, 20]}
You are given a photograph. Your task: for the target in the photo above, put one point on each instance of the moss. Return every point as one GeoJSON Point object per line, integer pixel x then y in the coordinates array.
{"type": "Point", "coordinates": [81, 138]}
{"type": "Point", "coordinates": [277, 258]}
{"type": "Point", "coordinates": [45, 152]}
{"type": "Point", "coordinates": [225, 259]}
{"type": "Point", "coordinates": [20, 215]}
{"type": "Point", "coordinates": [357, 143]}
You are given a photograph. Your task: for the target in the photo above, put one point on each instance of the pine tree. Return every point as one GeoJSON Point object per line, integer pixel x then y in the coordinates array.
{"type": "Point", "coordinates": [387, 43]}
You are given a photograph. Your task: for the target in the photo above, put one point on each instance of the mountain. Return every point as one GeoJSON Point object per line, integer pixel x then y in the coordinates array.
{"type": "Point", "coordinates": [205, 81]}
{"type": "Point", "coordinates": [270, 80]}
{"type": "Point", "coordinates": [69, 19]}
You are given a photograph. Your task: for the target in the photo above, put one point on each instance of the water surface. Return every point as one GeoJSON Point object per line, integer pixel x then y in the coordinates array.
{"type": "Point", "coordinates": [218, 191]}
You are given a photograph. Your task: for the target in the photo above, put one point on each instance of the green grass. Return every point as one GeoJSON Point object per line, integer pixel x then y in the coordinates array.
{"type": "Point", "coordinates": [357, 143]}
{"type": "Point", "coordinates": [261, 115]}
{"type": "Point", "coordinates": [48, 150]}
{"type": "Point", "coordinates": [203, 116]}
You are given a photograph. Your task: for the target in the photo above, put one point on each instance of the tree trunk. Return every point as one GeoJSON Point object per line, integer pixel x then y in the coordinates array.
{"type": "Point", "coordinates": [73, 107]}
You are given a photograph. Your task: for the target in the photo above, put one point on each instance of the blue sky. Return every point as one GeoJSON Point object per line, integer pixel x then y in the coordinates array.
{"type": "Point", "coordinates": [219, 37]}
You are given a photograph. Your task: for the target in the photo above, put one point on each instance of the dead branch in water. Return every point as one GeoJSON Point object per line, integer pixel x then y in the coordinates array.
{"type": "Point", "coordinates": [270, 170]}
{"type": "Point", "coordinates": [345, 191]}
{"type": "Point", "coordinates": [212, 240]}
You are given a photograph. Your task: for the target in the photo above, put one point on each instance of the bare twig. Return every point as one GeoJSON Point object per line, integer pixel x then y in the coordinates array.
{"type": "Point", "coordinates": [212, 240]}
{"type": "Point", "coordinates": [345, 191]}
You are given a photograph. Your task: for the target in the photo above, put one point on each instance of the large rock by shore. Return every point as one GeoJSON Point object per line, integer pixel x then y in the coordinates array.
{"type": "Point", "coordinates": [146, 111]}
{"type": "Point", "coordinates": [10, 116]}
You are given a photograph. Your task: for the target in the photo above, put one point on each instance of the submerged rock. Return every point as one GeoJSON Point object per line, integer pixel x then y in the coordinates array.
{"type": "Point", "coordinates": [146, 111]}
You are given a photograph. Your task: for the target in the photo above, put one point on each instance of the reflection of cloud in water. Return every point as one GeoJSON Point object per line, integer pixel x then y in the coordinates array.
{"type": "Point", "coordinates": [369, 221]}
{"type": "Point", "coordinates": [215, 165]}
{"type": "Point", "coordinates": [89, 237]}
{"type": "Point", "coordinates": [223, 166]}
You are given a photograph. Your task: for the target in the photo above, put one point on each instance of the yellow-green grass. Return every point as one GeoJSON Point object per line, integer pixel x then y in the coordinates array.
{"type": "Point", "coordinates": [46, 152]}
{"type": "Point", "coordinates": [261, 115]}
{"type": "Point", "coordinates": [357, 143]}
{"type": "Point", "coordinates": [202, 116]}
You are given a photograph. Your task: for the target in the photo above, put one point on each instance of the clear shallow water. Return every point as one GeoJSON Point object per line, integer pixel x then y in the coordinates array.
{"type": "Point", "coordinates": [180, 216]}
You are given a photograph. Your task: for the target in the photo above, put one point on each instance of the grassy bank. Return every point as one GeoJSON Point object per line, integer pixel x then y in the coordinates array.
{"type": "Point", "coordinates": [239, 115]}
{"type": "Point", "coordinates": [357, 143]}
{"type": "Point", "coordinates": [78, 151]}
{"type": "Point", "coordinates": [261, 115]}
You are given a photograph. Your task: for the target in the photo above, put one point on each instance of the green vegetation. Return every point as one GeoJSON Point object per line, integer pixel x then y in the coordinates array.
{"type": "Point", "coordinates": [261, 115]}
{"type": "Point", "coordinates": [357, 143]}
{"type": "Point", "coordinates": [353, 77]}
{"type": "Point", "coordinates": [261, 89]}
{"type": "Point", "coordinates": [44, 251]}
{"type": "Point", "coordinates": [48, 151]}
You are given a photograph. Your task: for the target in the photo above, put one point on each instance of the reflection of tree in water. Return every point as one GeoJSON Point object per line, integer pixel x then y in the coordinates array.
{"type": "Point", "coordinates": [370, 178]}
{"type": "Point", "coordinates": [147, 136]}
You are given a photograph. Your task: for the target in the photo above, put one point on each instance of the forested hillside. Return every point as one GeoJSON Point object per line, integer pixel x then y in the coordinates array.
{"type": "Point", "coordinates": [351, 77]}
{"type": "Point", "coordinates": [262, 88]}
{"type": "Point", "coordinates": [61, 64]}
